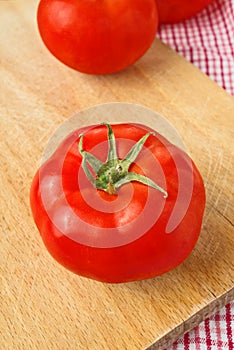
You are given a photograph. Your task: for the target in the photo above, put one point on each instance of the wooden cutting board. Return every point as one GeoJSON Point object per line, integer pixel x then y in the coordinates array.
{"type": "Point", "coordinates": [42, 304]}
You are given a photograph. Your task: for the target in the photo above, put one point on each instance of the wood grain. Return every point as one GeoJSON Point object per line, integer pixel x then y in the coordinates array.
{"type": "Point", "coordinates": [43, 305]}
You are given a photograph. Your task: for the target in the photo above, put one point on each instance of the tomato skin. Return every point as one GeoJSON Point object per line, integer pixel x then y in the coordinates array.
{"type": "Point", "coordinates": [97, 37]}
{"type": "Point", "coordinates": [173, 11]}
{"type": "Point", "coordinates": [153, 253]}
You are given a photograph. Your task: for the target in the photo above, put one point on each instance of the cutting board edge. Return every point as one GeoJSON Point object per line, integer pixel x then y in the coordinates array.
{"type": "Point", "coordinates": [207, 311]}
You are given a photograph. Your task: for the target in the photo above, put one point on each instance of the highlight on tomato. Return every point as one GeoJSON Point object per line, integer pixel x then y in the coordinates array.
{"type": "Point", "coordinates": [173, 11]}
{"type": "Point", "coordinates": [97, 37]}
{"type": "Point", "coordinates": [118, 203]}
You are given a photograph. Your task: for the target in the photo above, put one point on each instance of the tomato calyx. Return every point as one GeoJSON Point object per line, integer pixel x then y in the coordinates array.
{"type": "Point", "coordinates": [114, 173]}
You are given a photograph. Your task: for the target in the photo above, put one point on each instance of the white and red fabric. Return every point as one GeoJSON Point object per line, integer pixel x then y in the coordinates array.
{"type": "Point", "coordinates": [215, 333]}
{"type": "Point", "coordinates": [207, 40]}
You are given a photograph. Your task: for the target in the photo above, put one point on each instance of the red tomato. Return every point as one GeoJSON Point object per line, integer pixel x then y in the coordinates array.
{"type": "Point", "coordinates": [172, 11]}
{"type": "Point", "coordinates": [97, 37]}
{"type": "Point", "coordinates": [118, 203]}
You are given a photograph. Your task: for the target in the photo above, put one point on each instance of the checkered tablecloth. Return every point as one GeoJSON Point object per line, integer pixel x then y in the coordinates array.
{"type": "Point", "coordinates": [215, 333]}
{"type": "Point", "coordinates": [207, 40]}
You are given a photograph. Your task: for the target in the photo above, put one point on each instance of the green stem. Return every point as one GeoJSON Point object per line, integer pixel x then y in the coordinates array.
{"type": "Point", "coordinates": [114, 172]}
{"type": "Point", "coordinates": [112, 151]}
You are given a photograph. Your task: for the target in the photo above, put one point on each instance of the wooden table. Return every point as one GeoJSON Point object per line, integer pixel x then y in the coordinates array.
{"type": "Point", "coordinates": [44, 306]}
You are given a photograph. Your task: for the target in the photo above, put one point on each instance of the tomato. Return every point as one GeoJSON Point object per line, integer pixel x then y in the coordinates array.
{"type": "Point", "coordinates": [172, 11]}
{"type": "Point", "coordinates": [97, 37]}
{"type": "Point", "coordinates": [118, 203]}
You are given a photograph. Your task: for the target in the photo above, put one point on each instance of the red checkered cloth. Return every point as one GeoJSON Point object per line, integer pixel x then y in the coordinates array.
{"type": "Point", "coordinates": [215, 333]}
{"type": "Point", "coordinates": [207, 40]}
